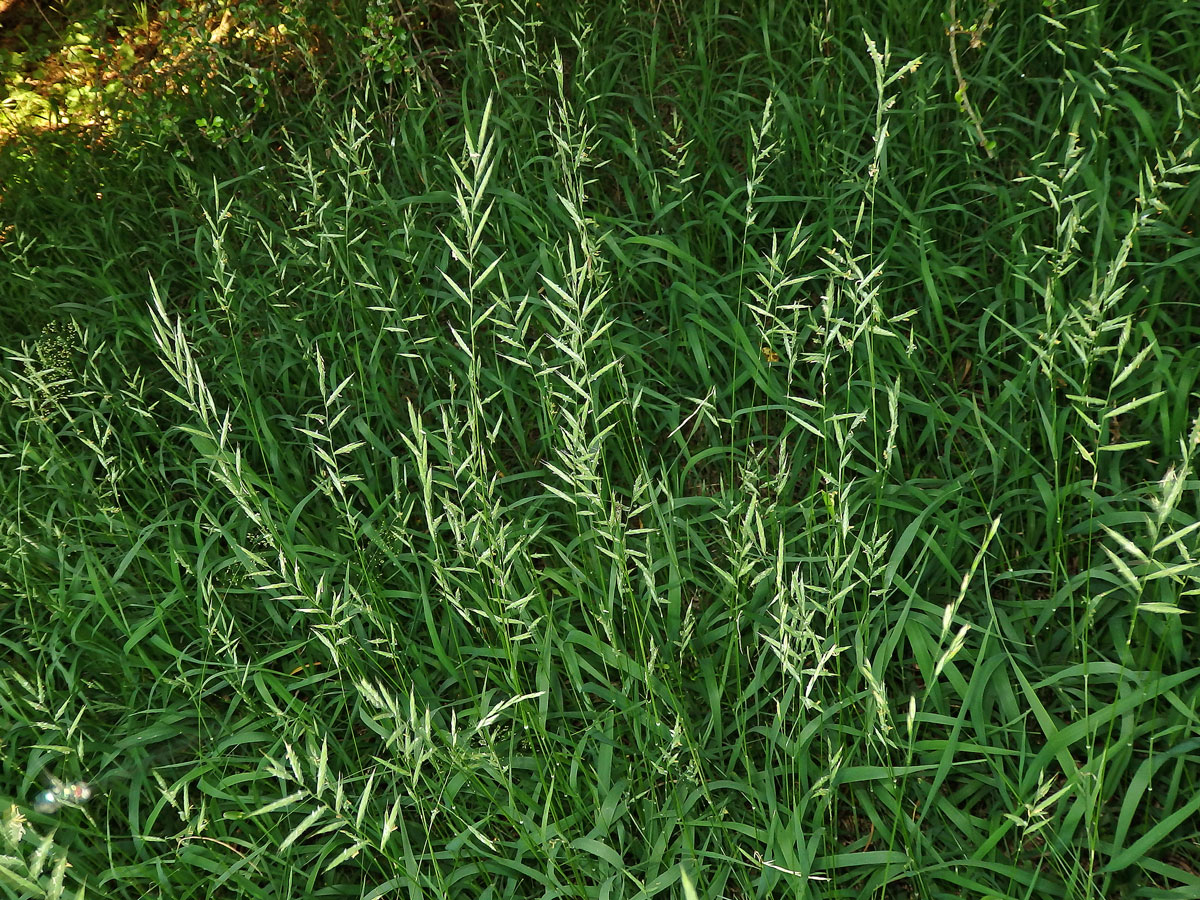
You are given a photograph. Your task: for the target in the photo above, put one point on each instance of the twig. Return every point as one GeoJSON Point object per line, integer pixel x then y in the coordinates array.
{"type": "Point", "coordinates": [420, 57]}
{"type": "Point", "coordinates": [976, 33]}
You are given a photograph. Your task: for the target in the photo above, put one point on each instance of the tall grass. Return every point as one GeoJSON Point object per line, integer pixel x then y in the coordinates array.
{"type": "Point", "coordinates": [629, 450]}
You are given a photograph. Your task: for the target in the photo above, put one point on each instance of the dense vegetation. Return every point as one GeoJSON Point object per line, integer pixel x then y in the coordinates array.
{"type": "Point", "coordinates": [607, 450]}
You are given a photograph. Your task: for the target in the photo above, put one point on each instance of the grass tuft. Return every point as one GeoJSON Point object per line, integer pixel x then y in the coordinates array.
{"type": "Point", "coordinates": [613, 451]}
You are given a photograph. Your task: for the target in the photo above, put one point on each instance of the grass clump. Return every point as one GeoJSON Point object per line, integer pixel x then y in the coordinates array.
{"type": "Point", "coordinates": [618, 450]}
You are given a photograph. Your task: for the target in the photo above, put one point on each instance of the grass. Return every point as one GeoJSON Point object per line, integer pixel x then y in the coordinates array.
{"type": "Point", "coordinates": [613, 451]}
